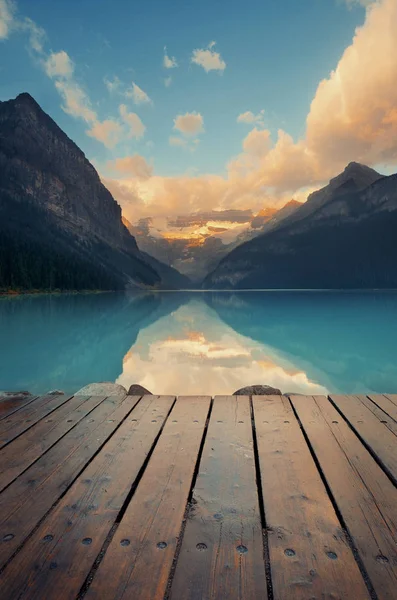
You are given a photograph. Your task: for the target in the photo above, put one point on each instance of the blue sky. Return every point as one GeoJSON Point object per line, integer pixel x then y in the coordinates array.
{"type": "Point", "coordinates": [275, 55]}
{"type": "Point", "coordinates": [267, 100]}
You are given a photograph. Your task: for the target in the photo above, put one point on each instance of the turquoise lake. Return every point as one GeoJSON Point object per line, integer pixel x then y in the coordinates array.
{"type": "Point", "coordinates": [201, 343]}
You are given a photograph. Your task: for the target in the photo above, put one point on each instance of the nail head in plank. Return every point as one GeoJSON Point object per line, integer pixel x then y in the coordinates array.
{"type": "Point", "coordinates": [221, 554]}
{"type": "Point", "coordinates": [309, 554]}
{"type": "Point", "coordinates": [146, 539]}
{"type": "Point", "coordinates": [57, 567]}
{"type": "Point", "coordinates": [17, 456]}
{"type": "Point", "coordinates": [366, 498]}
{"type": "Point", "coordinates": [33, 493]}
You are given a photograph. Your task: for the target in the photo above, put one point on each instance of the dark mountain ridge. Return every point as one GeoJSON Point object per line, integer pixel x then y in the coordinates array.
{"type": "Point", "coordinates": [59, 225]}
{"type": "Point", "coordinates": [343, 237]}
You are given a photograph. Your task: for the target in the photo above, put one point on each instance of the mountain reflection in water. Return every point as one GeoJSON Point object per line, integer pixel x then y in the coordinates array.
{"type": "Point", "coordinates": [201, 343]}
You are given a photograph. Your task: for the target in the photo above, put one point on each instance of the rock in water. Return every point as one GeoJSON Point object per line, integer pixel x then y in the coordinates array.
{"type": "Point", "coordinates": [257, 390]}
{"type": "Point", "coordinates": [105, 388]}
{"type": "Point", "coordinates": [138, 390]}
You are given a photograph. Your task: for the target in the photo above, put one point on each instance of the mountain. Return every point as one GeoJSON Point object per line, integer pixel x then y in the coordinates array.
{"type": "Point", "coordinates": [343, 237]}
{"type": "Point", "coordinates": [195, 244]}
{"type": "Point", "coordinates": [60, 227]}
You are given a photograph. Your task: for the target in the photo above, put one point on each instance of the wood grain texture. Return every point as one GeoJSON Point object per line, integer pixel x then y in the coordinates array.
{"type": "Point", "coordinates": [22, 452]}
{"type": "Point", "coordinates": [309, 553]}
{"type": "Point", "coordinates": [57, 558]}
{"type": "Point", "coordinates": [146, 539]}
{"type": "Point", "coordinates": [25, 418]}
{"type": "Point", "coordinates": [365, 496]}
{"type": "Point", "coordinates": [9, 406]}
{"type": "Point", "coordinates": [385, 404]}
{"type": "Point", "coordinates": [221, 556]}
{"type": "Point", "coordinates": [378, 437]}
{"type": "Point", "coordinates": [31, 495]}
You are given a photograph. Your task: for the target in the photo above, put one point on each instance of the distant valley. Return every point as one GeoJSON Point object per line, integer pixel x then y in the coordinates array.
{"type": "Point", "coordinates": [60, 228]}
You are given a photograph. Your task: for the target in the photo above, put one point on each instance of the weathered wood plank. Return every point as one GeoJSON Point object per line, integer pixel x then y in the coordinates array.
{"type": "Point", "coordinates": [375, 434]}
{"type": "Point", "coordinates": [309, 553]}
{"type": "Point", "coordinates": [146, 539]}
{"type": "Point", "coordinates": [9, 406]}
{"type": "Point", "coordinates": [25, 418]}
{"type": "Point", "coordinates": [385, 404]}
{"type": "Point", "coordinates": [57, 558]}
{"type": "Point", "coordinates": [27, 448]}
{"type": "Point", "coordinates": [31, 495]}
{"type": "Point", "coordinates": [366, 498]}
{"type": "Point", "coordinates": [222, 555]}
{"type": "Point", "coordinates": [379, 413]}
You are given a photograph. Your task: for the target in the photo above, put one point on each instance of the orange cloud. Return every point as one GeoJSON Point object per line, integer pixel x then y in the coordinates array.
{"type": "Point", "coordinates": [132, 166]}
{"type": "Point", "coordinates": [189, 124]}
{"type": "Point", "coordinates": [353, 116]}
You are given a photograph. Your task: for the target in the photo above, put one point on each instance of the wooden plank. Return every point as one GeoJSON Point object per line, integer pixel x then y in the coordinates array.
{"type": "Point", "coordinates": [31, 495]}
{"type": "Point", "coordinates": [375, 434]}
{"type": "Point", "coordinates": [147, 536]}
{"type": "Point", "coordinates": [221, 554]}
{"type": "Point", "coordinates": [309, 553]}
{"type": "Point", "coordinates": [25, 418]}
{"type": "Point", "coordinates": [57, 558]}
{"type": "Point", "coordinates": [385, 404]}
{"type": "Point", "coordinates": [366, 498]}
{"type": "Point", "coordinates": [11, 404]}
{"type": "Point", "coordinates": [392, 398]}
{"type": "Point", "coordinates": [17, 456]}
{"type": "Point", "coordinates": [379, 413]}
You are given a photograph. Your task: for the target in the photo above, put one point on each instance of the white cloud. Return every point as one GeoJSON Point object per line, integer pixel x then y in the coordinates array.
{"type": "Point", "coordinates": [58, 64]}
{"type": "Point", "coordinates": [136, 127]}
{"type": "Point", "coordinates": [249, 118]}
{"type": "Point", "coordinates": [37, 35]}
{"type": "Point", "coordinates": [189, 124]}
{"type": "Point", "coordinates": [7, 9]}
{"type": "Point", "coordinates": [208, 59]}
{"type": "Point", "coordinates": [169, 62]}
{"type": "Point", "coordinates": [76, 102]}
{"type": "Point", "coordinates": [137, 94]}
{"type": "Point", "coordinates": [113, 85]}
{"type": "Point", "coordinates": [132, 166]}
{"type": "Point", "coordinates": [109, 132]}
{"type": "Point", "coordinates": [167, 81]}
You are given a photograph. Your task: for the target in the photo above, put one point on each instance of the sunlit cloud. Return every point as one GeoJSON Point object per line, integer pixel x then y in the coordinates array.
{"type": "Point", "coordinates": [76, 102]}
{"type": "Point", "coordinates": [250, 119]}
{"type": "Point", "coordinates": [7, 9]}
{"type": "Point", "coordinates": [169, 62]}
{"type": "Point", "coordinates": [137, 95]}
{"type": "Point", "coordinates": [208, 58]}
{"type": "Point", "coordinates": [109, 132]}
{"type": "Point", "coordinates": [132, 166]}
{"type": "Point", "coordinates": [58, 64]}
{"type": "Point", "coordinates": [189, 124]}
{"type": "Point", "coordinates": [135, 125]}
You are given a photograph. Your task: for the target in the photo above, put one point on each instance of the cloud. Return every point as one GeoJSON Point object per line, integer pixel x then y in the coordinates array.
{"type": "Point", "coordinates": [37, 35]}
{"type": "Point", "coordinates": [109, 132]}
{"type": "Point", "coordinates": [167, 81]}
{"type": "Point", "coordinates": [58, 64]}
{"type": "Point", "coordinates": [7, 9]}
{"type": "Point", "coordinates": [180, 142]}
{"type": "Point", "coordinates": [132, 166]}
{"type": "Point", "coordinates": [136, 127]}
{"type": "Point", "coordinates": [208, 59]}
{"type": "Point", "coordinates": [76, 101]}
{"type": "Point", "coordinates": [113, 85]}
{"type": "Point", "coordinates": [189, 124]}
{"type": "Point", "coordinates": [138, 95]}
{"type": "Point", "coordinates": [169, 62]}
{"type": "Point", "coordinates": [249, 118]}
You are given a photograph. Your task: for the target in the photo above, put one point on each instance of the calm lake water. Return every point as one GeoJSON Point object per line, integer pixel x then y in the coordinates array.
{"type": "Point", "coordinates": [201, 343]}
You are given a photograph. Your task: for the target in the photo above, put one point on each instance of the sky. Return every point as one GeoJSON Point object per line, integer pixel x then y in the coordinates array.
{"type": "Point", "coordinates": [188, 106]}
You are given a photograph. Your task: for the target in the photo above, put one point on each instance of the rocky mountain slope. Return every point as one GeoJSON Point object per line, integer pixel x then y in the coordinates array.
{"type": "Point", "coordinates": [343, 237]}
{"type": "Point", "coordinates": [60, 227]}
{"type": "Point", "coordinates": [195, 244]}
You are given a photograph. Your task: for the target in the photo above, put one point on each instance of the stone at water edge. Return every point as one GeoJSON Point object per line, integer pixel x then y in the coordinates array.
{"type": "Point", "coordinates": [258, 390]}
{"type": "Point", "coordinates": [105, 388]}
{"type": "Point", "coordinates": [138, 390]}
{"type": "Point", "coordinates": [55, 393]}
{"type": "Point", "coordinates": [15, 395]}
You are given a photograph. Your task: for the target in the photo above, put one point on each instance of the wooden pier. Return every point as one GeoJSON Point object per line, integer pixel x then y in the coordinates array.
{"type": "Point", "coordinates": [231, 498]}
